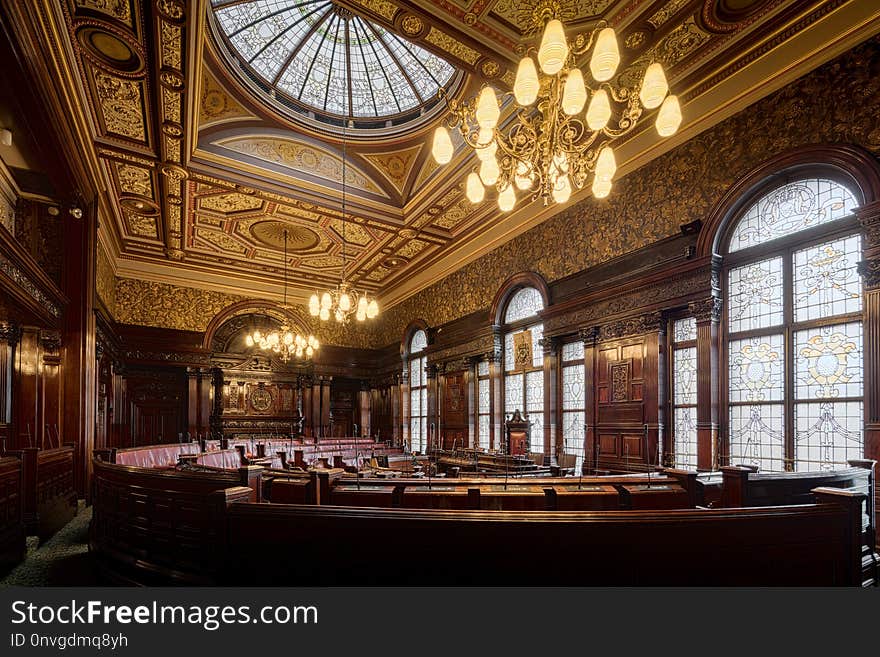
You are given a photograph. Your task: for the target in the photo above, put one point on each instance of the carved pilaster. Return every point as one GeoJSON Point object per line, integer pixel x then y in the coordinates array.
{"type": "Point", "coordinates": [708, 309]}
{"type": "Point", "coordinates": [869, 219]}
{"type": "Point", "coordinates": [550, 345]}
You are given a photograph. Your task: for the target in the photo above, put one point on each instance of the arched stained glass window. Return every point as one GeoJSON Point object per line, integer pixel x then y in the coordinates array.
{"type": "Point", "coordinates": [791, 208]}
{"type": "Point", "coordinates": [418, 392]}
{"type": "Point", "coordinates": [794, 331]}
{"type": "Point", "coordinates": [524, 361]}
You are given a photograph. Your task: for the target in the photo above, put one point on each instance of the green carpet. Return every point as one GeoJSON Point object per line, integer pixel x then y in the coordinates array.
{"type": "Point", "coordinates": [63, 560]}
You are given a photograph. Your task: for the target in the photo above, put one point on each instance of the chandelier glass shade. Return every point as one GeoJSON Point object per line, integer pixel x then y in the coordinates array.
{"type": "Point", "coordinates": [344, 300]}
{"type": "Point", "coordinates": [558, 138]}
{"type": "Point", "coordinates": [284, 342]}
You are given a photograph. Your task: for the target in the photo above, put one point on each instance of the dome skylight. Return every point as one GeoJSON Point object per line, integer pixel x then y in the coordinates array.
{"type": "Point", "coordinates": [325, 59]}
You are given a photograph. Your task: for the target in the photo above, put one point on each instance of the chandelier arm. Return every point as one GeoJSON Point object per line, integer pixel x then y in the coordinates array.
{"type": "Point", "coordinates": [582, 43]}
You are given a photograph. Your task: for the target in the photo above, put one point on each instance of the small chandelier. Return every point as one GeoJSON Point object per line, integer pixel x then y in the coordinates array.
{"type": "Point", "coordinates": [551, 147]}
{"type": "Point", "coordinates": [344, 300]}
{"type": "Point", "coordinates": [284, 342]}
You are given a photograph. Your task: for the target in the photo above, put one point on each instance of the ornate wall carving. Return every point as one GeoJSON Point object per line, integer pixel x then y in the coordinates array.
{"type": "Point", "coordinates": [105, 282]}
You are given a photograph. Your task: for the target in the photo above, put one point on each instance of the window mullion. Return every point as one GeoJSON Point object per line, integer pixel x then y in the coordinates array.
{"type": "Point", "coordinates": [788, 370]}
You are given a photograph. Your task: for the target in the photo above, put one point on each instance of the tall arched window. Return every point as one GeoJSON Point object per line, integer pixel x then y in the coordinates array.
{"type": "Point", "coordinates": [418, 392]}
{"type": "Point", "coordinates": [524, 360]}
{"type": "Point", "coordinates": [793, 329]}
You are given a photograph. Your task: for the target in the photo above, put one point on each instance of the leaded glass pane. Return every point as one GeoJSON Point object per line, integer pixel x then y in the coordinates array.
{"type": "Point", "coordinates": [756, 436]}
{"type": "Point", "coordinates": [755, 295]}
{"type": "Point", "coordinates": [419, 341]}
{"type": "Point", "coordinates": [483, 368]}
{"type": "Point", "coordinates": [572, 387]}
{"type": "Point", "coordinates": [573, 351]}
{"type": "Point", "coordinates": [829, 362]}
{"type": "Point", "coordinates": [685, 446]}
{"type": "Point", "coordinates": [756, 369]}
{"type": "Point", "coordinates": [684, 376]}
{"type": "Point", "coordinates": [827, 434]}
{"type": "Point", "coordinates": [423, 400]}
{"type": "Point", "coordinates": [415, 373]}
{"type": "Point", "coordinates": [826, 282]}
{"type": "Point", "coordinates": [534, 391]}
{"type": "Point", "coordinates": [526, 302]}
{"type": "Point", "coordinates": [483, 432]}
{"type": "Point", "coordinates": [509, 362]}
{"type": "Point", "coordinates": [791, 208]}
{"type": "Point", "coordinates": [684, 330]}
{"type": "Point", "coordinates": [536, 437]}
{"type": "Point", "coordinates": [417, 436]}
{"type": "Point", "coordinates": [483, 396]}
{"type": "Point", "coordinates": [513, 393]}
{"type": "Point", "coordinates": [573, 435]}
{"type": "Point", "coordinates": [305, 47]}
{"type": "Point", "coordinates": [537, 349]}
{"type": "Point", "coordinates": [415, 407]}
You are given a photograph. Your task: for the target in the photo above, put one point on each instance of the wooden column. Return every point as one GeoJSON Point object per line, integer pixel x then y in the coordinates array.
{"type": "Point", "coordinates": [869, 268]}
{"type": "Point", "coordinates": [324, 402]}
{"type": "Point", "coordinates": [431, 372]}
{"type": "Point", "coordinates": [364, 405]}
{"type": "Point", "coordinates": [551, 386]}
{"type": "Point", "coordinates": [50, 399]}
{"type": "Point", "coordinates": [9, 336]}
{"type": "Point", "coordinates": [405, 411]}
{"type": "Point", "coordinates": [471, 385]}
{"type": "Point", "coordinates": [307, 407]}
{"type": "Point", "coordinates": [707, 312]}
{"type": "Point", "coordinates": [591, 448]}
{"type": "Point", "coordinates": [79, 393]}
{"type": "Point", "coordinates": [496, 401]}
{"type": "Point", "coordinates": [655, 371]}
{"type": "Point", "coordinates": [26, 395]}
{"type": "Point", "coordinates": [193, 405]}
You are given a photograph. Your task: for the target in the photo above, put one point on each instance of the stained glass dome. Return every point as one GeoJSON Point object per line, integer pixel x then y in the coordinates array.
{"type": "Point", "coordinates": [317, 57]}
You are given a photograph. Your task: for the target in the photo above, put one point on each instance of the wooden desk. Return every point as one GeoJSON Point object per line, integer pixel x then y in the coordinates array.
{"type": "Point", "coordinates": [512, 498]}
{"type": "Point", "coordinates": [654, 496]}
{"type": "Point", "coordinates": [439, 497]}
{"type": "Point", "coordinates": [588, 498]}
{"type": "Point", "coordinates": [351, 495]}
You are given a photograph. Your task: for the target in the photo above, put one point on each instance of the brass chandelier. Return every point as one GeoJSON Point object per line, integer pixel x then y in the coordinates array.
{"type": "Point", "coordinates": [284, 342]}
{"type": "Point", "coordinates": [550, 147]}
{"type": "Point", "coordinates": [344, 300]}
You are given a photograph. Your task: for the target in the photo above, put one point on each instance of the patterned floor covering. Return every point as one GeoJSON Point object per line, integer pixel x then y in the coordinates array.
{"type": "Point", "coordinates": [63, 560]}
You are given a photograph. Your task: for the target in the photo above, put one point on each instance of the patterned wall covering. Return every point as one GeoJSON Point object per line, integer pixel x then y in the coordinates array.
{"type": "Point", "coordinates": [835, 103]}
{"type": "Point", "coordinates": [105, 282]}
{"type": "Point", "coordinates": [188, 309]}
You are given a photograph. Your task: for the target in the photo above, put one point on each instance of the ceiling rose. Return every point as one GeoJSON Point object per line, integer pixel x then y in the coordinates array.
{"type": "Point", "coordinates": [271, 233]}
{"type": "Point", "coordinates": [317, 56]}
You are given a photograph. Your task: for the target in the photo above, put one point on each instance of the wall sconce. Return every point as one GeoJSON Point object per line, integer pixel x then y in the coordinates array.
{"type": "Point", "coordinates": [5, 137]}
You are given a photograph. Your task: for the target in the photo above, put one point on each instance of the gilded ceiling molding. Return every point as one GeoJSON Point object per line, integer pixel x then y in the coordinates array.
{"type": "Point", "coordinates": [217, 105]}
{"type": "Point", "coordinates": [395, 166]}
{"type": "Point", "coordinates": [30, 288]}
{"type": "Point", "coordinates": [122, 105]}
{"type": "Point", "coordinates": [117, 9]}
{"type": "Point", "coordinates": [301, 157]}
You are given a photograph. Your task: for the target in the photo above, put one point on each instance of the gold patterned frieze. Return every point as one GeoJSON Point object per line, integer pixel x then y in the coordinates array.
{"type": "Point", "coordinates": [354, 234]}
{"type": "Point", "coordinates": [412, 248]}
{"type": "Point", "coordinates": [170, 105]}
{"type": "Point", "coordinates": [452, 46]}
{"type": "Point", "coordinates": [221, 241]}
{"type": "Point", "coordinates": [142, 226]}
{"type": "Point", "coordinates": [105, 281]}
{"type": "Point", "coordinates": [522, 15]}
{"type": "Point", "coordinates": [301, 157]}
{"type": "Point", "coordinates": [665, 12]}
{"type": "Point", "coordinates": [118, 9]}
{"type": "Point", "coordinates": [382, 8]}
{"type": "Point", "coordinates": [230, 202]}
{"type": "Point", "coordinates": [122, 106]}
{"type": "Point", "coordinates": [171, 45]}
{"type": "Point", "coordinates": [134, 180]}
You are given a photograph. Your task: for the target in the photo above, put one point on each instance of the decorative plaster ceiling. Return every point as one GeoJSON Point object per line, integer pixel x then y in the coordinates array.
{"type": "Point", "coordinates": [202, 176]}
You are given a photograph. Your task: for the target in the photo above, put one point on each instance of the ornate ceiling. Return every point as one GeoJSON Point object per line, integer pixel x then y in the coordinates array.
{"type": "Point", "coordinates": [201, 178]}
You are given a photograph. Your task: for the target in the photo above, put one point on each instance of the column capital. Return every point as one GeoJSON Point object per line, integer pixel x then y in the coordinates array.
{"type": "Point", "coordinates": [589, 336]}
{"type": "Point", "coordinates": [869, 219]}
{"type": "Point", "coordinates": [550, 345]}
{"type": "Point", "coordinates": [706, 310]}
{"type": "Point", "coordinates": [10, 333]}
{"type": "Point", "coordinates": [870, 272]}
